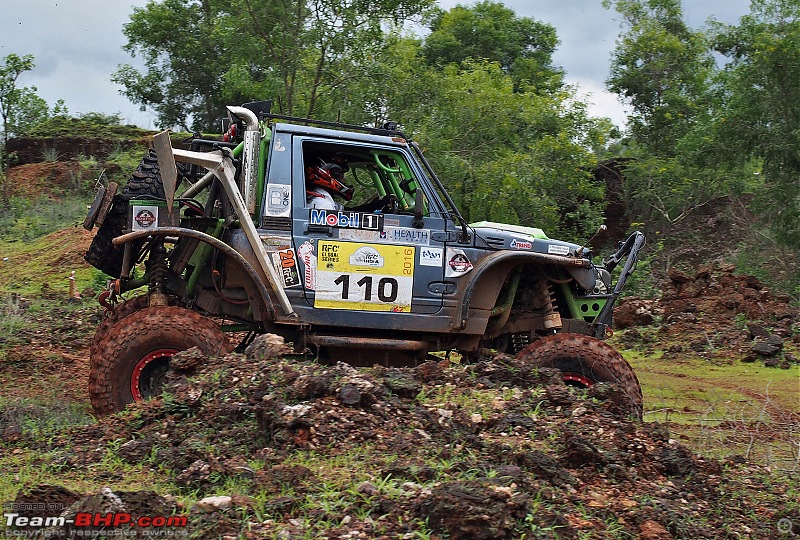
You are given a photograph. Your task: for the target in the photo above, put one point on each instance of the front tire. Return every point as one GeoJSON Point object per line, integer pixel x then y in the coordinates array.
{"type": "Point", "coordinates": [585, 361]}
{"type": "Point", "coordinates": [131, 359]}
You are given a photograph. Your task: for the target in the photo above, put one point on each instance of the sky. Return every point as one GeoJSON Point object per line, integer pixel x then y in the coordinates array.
{"type": "Point", "coordinates": [77, 45]}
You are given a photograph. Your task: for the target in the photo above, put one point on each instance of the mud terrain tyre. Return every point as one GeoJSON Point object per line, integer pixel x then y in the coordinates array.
{"type": "Point", "coordinates": [130, 362]}
{"type": "Point", "coordinates": [584, 361]}
{"type": "Point", "coordinates": [121, 311]}
{"type": "Point", "coordinates": [144, 182]}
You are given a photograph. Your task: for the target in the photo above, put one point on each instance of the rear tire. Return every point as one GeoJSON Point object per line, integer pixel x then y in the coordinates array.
{"type": "Point", "coordinates": [585, 361]}
{"type": "Point", "coordinates": [131, 359]}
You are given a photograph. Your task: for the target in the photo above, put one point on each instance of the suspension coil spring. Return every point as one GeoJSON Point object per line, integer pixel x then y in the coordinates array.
{"type": "Point", "coordinates": [158, 274]}
{"type": "Point", "coordinates": [547, 303]}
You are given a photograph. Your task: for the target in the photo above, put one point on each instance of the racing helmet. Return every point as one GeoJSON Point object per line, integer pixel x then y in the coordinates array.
{"type": "Point", "coordinates": [331, 177]}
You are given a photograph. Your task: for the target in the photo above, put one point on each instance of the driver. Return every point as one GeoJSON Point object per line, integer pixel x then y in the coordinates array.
{"type": "Point", "coordinates": [322, 183]}
{"type": "Point", "coordinates": [326, 180]}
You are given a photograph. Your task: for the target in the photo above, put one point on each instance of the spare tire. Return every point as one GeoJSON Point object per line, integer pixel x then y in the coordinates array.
{"type": "Point", "coordinates": [144, 182]}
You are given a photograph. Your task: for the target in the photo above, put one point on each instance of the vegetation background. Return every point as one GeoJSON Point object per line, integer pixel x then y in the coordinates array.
{"type": "Point", "coordinates": [708, 166]}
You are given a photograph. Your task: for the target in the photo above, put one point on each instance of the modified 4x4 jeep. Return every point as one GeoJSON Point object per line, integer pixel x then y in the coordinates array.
{"type": "Point", "coordinates": [240, 251]}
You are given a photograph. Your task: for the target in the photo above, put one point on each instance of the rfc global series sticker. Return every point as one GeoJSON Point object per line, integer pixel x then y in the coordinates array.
{"type": "Point", "coordinates": [144, 217]}
{"type": "Point", "coordinates": [458, 263]}
{"type": "Point", "coordinates": [364, 277]}
{"type": "Point", "coordinates": [346, 220]}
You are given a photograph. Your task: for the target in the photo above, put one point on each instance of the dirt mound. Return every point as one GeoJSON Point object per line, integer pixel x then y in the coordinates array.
{"type": "Point", "coordinates": [717, 314]}
{"type": "Point", "coordinates": [291, 448]}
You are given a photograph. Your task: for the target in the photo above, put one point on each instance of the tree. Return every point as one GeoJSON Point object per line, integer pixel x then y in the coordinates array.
{"type": "Point", "coordinates": [663, 69]}
{"type": "Point", "coordinates": [204, 53]}
{"type": "Point", "coordinates": [760, 117]}
{"type": "Point", "coordinates": [523, 47]}
{"type": "Point", "coordinates": [12, 97]}
{"type": "Point", "coordinates": [181, 42]}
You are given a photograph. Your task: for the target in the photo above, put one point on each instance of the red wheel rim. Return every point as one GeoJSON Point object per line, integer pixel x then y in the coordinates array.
{"type": "Point", "coordinates": [577, 379]}
{"type": "Point", "coordinates": [142, 365]}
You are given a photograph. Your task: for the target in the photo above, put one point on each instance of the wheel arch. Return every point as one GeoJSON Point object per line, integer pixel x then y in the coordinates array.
{"type": "Point", "coordinates": [489, 274]}
{"type": "Point", "coordinates": [227, 250]}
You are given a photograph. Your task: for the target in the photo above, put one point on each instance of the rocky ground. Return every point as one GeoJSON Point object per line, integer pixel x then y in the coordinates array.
{"type": "Point", "coordinates": [717, 314]}
{"type": "Point", "coordinates": [288, 448]}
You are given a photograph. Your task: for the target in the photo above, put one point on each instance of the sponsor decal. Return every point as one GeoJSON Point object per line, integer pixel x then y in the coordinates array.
{"type": "Point", "coordinates": [520, 244]}
{"type": "Point", "coordinates": [429, 256]}
{"type": "Point", "coordinates": [278, 200]}
{"type": "Point", "coordinates": [346, 220]}
{"type": "Point", "coordinates": [144, 217]}
{"type": "Point", "coordinates": [389, 234]}
{"type": "Point", "coordinates": [365, 277]}
{"type": "Point", "coordinates": [306, 254]}
{"type": "Point", "coordinates": [406, 235]}
{"type": "Point", "coordinates": [286, 264]}
{"type": "Point", "coordinates": [458, 263]}
{"type": "Point", "coordinates": [555, 249]}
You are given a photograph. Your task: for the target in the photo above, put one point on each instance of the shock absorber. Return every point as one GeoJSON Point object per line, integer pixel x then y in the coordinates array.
{"type": "Point", "coordinates": [158, 275]}
{"type": "Point", "coordinates": [545, 302]}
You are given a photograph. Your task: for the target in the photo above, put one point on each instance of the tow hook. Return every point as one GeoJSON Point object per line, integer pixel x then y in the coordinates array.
{"type": "Point", "coordinates": [108, 298]}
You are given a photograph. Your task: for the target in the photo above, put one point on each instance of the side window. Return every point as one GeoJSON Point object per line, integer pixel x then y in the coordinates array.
{"type": "Point", "coordinates": [357, 178]}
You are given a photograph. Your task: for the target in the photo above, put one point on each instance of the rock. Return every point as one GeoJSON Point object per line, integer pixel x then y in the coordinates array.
{"type": "Point", "coordinates": [402, 383]}
{"type": "Point", "coordinates": [349, 394]}
{"type": "Point", "coordinates": [769, 346]}
{"type": "Point", "coordinates": [757, 331]}
{"type": "Point", "coordinates": [473, 511]}
{"type": "Point", "coordinates": [772, 361]}
{"type": "Point", "coordinates": [650, 530]}
{"type": "Point", "coordinates": [677, 277]}
{"type": "Point", "coordinates": [212, 504]}
{"type": "Point", "coordinates": [266, 346]}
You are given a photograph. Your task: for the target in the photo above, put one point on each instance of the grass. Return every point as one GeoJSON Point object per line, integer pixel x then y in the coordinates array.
{"type": "Point", "coordinates": [723, 410]}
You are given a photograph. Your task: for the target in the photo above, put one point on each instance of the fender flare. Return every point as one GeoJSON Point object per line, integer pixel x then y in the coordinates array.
{"type": "Point", "coordinates": [491, 262]}
{"type": "Point", "coordinates": [216, 243]}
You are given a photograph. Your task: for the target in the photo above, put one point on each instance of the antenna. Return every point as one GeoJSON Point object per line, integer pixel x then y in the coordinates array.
{"type": "Point", "coordinates": [589, 241]}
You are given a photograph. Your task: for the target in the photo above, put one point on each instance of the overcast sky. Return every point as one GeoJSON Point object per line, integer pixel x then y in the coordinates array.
{"type": "Point", "coordinates": [77, 45]}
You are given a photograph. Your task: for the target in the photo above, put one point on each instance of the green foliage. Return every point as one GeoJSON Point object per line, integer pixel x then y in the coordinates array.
{"type": "Point", "coordinates": [490, 31]}
{"type": "Point", "coordinates": [11, 96]}
{"type": "Point", "coordinates": [93, 125]}
{"type": "Point", "coordinates": [530, 165]}
{"type": "Point", "coordinates": [760, 118]}
{"type": "Point", "coordinates": [25, 219]}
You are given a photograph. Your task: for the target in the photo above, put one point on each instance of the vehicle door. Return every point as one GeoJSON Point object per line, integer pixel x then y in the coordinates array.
{"type": "Point", "coordinates": [361, 259]}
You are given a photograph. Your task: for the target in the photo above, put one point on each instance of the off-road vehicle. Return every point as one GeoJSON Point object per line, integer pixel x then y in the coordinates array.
{"type": "Point", "coordinates": [240, 251]}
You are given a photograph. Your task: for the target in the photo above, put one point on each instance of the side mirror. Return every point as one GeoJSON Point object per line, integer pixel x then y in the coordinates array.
{"type": "Point", "coordinates": [418, 222]}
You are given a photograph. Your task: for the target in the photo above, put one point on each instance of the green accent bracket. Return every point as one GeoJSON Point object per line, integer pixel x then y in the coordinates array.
{"type": "Point", "coordinates": [583, 308]}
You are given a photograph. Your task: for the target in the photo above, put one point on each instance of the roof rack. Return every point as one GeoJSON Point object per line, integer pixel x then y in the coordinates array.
{"type": "Point", "coordinates": [388, 129]}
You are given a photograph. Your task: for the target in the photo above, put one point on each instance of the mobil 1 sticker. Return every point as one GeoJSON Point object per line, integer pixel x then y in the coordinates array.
{"type": "Point", "coordinates": [346, 220]}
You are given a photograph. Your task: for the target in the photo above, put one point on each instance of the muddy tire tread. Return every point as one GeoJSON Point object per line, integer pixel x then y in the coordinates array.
{"type": "Point", "coordinates": [154, 328]}
{"type": "Point", "coordinates": [600, 361]}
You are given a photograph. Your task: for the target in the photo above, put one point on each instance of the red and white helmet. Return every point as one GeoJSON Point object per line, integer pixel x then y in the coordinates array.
{"type": "Point", "coordinates": [331, 177]}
